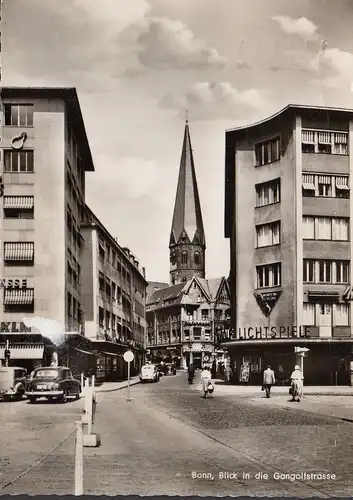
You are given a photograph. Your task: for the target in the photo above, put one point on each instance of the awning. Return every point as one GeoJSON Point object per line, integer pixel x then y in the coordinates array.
{"type": "Point", "coordinates": [342, 183]}
{"type": "Point", "coordinates": [19, 296]}
{"type": "Point", "coordinates": [320, 294]}
{"type": "Point", "coordinates": [85, 352]}
{"type": "Point", "coordinates": [308, 182]}
{"type": "Point", "coordinates": [23, 351]}
{"type": "Point", "coordinates": [19, 251]}
{"type": "Point", "coordinates": [111, 353]}
{"type": "Point", "coordinates": [19, 202]}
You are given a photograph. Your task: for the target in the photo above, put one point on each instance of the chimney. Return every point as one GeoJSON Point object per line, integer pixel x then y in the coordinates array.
{"type": "Point", "coordinates": [144, 272]}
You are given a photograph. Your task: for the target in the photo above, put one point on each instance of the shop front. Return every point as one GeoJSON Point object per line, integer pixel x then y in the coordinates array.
{"type": "Point", "coordinates": [327, 362]}
{"type": "Point", "coordinates": [198, 354]}
{"type": "Point", "coordinates": [168, 354]}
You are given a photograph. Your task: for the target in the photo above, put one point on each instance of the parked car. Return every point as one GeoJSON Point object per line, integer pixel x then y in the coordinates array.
{"type": "Point", "coordinates": [149, 372]}
{"type": "Point", "coordinates": [52, 383]}
{"type": "Point", "coordinates": [12, 382]}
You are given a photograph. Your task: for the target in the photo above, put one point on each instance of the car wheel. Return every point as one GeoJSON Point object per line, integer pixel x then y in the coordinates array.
{"type": "Point", "coordinates": [63, 398]}
{"type": "Point", "coordinates": [7, 399]}
{"type": "Point", "coordinates": [32, 399]}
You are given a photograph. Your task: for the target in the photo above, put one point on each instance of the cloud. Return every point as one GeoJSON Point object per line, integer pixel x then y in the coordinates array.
{"type": "Point", "coordinates": [129, 177]}
{"type": "Point", "coordinates": [302, 27]}
{"type": "Point", "coordinates": [165, 44]}
{"type": "Point", "coordinates": [210, 100]}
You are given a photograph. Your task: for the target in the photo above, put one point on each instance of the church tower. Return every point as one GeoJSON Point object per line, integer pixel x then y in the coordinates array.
{"type": "Point", "coordinates": [187, 238]}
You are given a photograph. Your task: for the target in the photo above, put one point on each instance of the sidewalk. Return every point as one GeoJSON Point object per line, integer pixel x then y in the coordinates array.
{"type": "Point", "coordinates": [337, 406]}
{"type": "Point", "coordinates": [222, 388]}
{"type": "Point", "coordinates": [116, 386]}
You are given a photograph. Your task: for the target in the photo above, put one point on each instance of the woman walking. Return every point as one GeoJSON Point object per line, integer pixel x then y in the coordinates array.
{"type": "Point", "coordinates": [205, 380]}
{"type": "Point", "coordinates": [297, 379]}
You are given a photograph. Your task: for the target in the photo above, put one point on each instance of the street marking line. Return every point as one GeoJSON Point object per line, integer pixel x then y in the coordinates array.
{"type": "Point", "coordinates": [38, 462]}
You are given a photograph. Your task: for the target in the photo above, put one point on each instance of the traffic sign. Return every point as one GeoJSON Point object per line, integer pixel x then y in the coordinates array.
{"type": "Point", "coordinates": [128, 356]}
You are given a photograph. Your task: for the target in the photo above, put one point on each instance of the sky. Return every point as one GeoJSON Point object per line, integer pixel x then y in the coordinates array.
{"type": "Point", "coordinates": [139, 64]}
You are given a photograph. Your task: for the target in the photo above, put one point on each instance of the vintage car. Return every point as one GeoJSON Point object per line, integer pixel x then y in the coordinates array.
{"type": "Point", "coordinates": [12, 382]}
{"type": "Point", "coordinates": [149, 373]}
{"type": "Point", "coordinates": [52, 383]}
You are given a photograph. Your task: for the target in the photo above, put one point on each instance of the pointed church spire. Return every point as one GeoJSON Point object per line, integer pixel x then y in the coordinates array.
{"type": "Point", "coordinates": [187, 226]}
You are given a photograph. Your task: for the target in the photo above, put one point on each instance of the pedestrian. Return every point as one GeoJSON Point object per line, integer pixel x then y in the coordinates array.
{"type": "Point", "coordinates": [191, 373]}
{"type": "Point", "coordinates": [268, 380]}
{"type": "Point", "coordinates": [297, 379]}
{"type": "Point", "coordinates": [214, 369]}
{"type": "Point", "coordinates": [205, 380]}
{"type": "Point", "coordinates": [228, 373]}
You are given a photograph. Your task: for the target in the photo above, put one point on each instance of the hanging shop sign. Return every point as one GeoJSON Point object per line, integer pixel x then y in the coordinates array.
{"type": "Point", "coordinates": [13, 283]}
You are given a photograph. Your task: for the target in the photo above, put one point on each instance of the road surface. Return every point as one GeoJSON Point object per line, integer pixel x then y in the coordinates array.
{"type": "Point", "coordinates": [168, 440]}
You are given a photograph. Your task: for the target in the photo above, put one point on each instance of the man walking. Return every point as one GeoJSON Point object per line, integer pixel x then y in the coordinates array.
{"type": "Point", "coordinates": [268, 380]}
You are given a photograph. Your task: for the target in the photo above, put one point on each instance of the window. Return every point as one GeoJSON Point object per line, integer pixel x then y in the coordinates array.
{"type": "Point", "coordinates": [325, 142]}
{"type": "Point", "coordinates": [18, 207]}
{"type": "Point", "coordinates": [69, 304]}
{"type": "Point", "coordinates": [341, 314]}
{"type": "Point", "coordinates": [324, 315]}
{"type": "Point", "coordinates": [197, 258]}
{"type": "Point", "coordinates": [19, 253]}
{"type": "Point", "coordinates": [342, 271]}
{"type": "Point", "coordinates": [340, 229]}
{"type": "Point", "coordinates": [335, 186]}
{"type": "Point", "coordinates": [325, 271]}
{"type": "Point", "coordinates": [324, 185]}
{"type": "Point", "coordinates": [204, 314]}
{"type": "Point", "coordinates": [325, 228]}
{"type": "Point", "coordinates": [101, 282]}
{"type": "Point", "coordinates": [197, 333]}
{"type": "Point", "coordinates": [267, 152]}
{"type": "Point", "coordinates": [101, 317]}
{"type": "Point", "coordinates": [19, 115]}
{"type": "Point", "coordinates": [268, 275]}
{"type": "Point", "coordinates": [308, 227]}
{"type": "Point", "coordinates": [267, 193]}
{"type": "Point", "coordinates": [19, 161]}
{"type": "Point", "coordinates": [309, 271]}
{"type": "Point", "coordinates": [308, 314]}
{"type": "Point", "coordinates": [268, 234]}
{"type": "Point", "coordinates": [184, 257]}
{"type": "Point", "coordinates": [207, 335]}
{"type": "Point", "coordinates": [187, 334]}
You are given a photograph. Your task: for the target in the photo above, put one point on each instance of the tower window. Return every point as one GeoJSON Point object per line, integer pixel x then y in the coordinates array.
{"type": "Point", "coordinates": [184, 257]}
{"type": "Point", "coordinates": [197, 258]}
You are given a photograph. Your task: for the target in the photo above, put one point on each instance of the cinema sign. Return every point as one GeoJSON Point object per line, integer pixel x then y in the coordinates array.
{"type": "Point", "coordinates": [273, 332]}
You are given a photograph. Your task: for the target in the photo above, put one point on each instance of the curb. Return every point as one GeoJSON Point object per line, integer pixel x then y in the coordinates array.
{"type": "Point", "coordinates": [135, 382]}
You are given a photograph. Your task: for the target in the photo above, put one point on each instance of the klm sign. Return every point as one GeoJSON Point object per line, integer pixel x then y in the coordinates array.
{"type": "Point", "coordinates": [13, 327]}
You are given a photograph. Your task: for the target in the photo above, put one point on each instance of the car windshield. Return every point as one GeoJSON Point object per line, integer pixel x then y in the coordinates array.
{"type": "Point", "coordinates": [148, 367]}
{"type": "Point", "coordinates": [46, 374]}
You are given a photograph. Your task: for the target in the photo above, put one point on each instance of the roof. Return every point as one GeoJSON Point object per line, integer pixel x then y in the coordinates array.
{"type": "Point", "coordinates": [75, 118]}
{"type": "Point", "coordinates": [155, 285]}
{"type": "Point", "coordinates": [209, 286]}
{"type": "Point", "coordinates": [213, 286]}
{"type": "Point", "coordinates": [292, 107]}
{"type": "Point", "coordinates": [187, 209]}
{"type": "Point", "coordinates": [170, 292]}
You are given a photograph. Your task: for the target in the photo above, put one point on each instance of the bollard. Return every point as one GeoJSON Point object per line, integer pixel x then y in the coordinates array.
{"type": "Point", "coordinates": [79, 459]}
{"type": "Point", "coordinates": [82, 382]}
{"type": "Point", "coordinates": [90, 440]}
